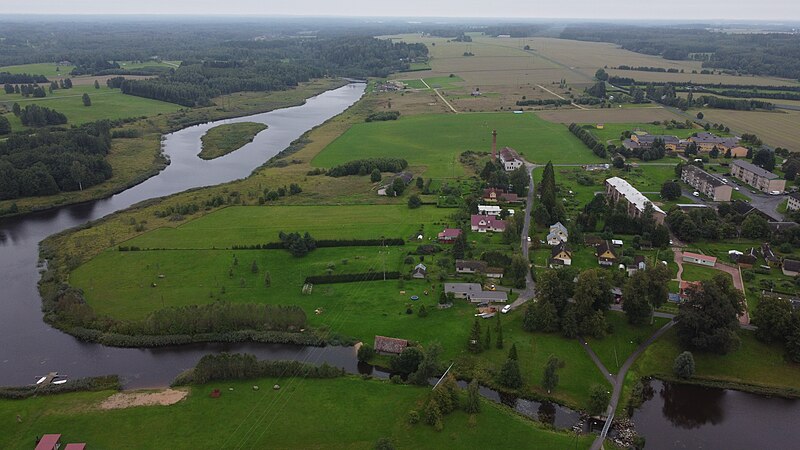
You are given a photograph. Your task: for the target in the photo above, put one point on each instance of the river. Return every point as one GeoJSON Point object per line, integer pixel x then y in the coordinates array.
{"type": "Point", "coordinates": [31, 348]}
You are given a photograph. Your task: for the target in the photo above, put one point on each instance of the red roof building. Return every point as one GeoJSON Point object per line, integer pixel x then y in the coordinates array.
{"type": "Point", "coordinates": [482, 224]}
{"type": "Point", "coordinates": [49, 442]}
{"type": "Point", "coordinates": [498, 195]}
{"type": "Point", "coordinates": [697, 258]}
{"type": "Point", "coordinates": [449, 235]}
{"type": "Point", "coordinates": [385, 344]}
{"type": "Point", "coordinates": [686, 287]}
{"type": "Point", "coordinates": [80, 446]}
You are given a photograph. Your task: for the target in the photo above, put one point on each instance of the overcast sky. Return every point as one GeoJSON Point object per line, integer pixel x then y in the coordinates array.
{"type": "Point", "coordinates": [703, 10]}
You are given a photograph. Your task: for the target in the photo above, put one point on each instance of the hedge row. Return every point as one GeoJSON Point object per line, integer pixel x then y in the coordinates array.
{"type": "Point", "coordinates": [351, 277]}
{"type": "Point", "coordinates": [150, 341]}
{"type": "Point", "coordinates": [109, 382]}
{"type": "Point", "coordinates": [322, 243]}
{"type": "Point", "coordinates": [238, 366]}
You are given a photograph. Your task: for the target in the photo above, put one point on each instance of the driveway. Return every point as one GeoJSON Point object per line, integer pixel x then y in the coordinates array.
{"type": "Point", "coordinates": [529, 291]}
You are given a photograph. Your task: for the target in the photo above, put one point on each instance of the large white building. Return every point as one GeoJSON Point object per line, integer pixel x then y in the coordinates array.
{"type": "Point", "coordinates": [510, 159]}
{"type": "Point", "coordinates": [620, 190]}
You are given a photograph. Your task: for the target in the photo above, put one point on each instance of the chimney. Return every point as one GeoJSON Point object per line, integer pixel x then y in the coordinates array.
{"type": "Point", "coordinates": [494, 145]}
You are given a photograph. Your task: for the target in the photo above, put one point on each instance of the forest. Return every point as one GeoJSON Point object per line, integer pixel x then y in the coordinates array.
{"type": "Point", "coordinates": [50, 161]}
{"type": "Point", "coordinates": [773, 54]}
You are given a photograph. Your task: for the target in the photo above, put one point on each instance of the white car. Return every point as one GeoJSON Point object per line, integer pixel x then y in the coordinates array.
{"type": "Point", "coordinates": [506, 309]}
{"type": "Point", "coordinates": [736, 188]}
{"type": "Point", "coordinates": [774, 192]}
{"type": "Point", "coordinates": [696, 194]}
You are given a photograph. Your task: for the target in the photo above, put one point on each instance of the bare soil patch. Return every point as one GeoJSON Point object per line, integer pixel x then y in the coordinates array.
{"type": "Point", "coordinates": [122, 400]}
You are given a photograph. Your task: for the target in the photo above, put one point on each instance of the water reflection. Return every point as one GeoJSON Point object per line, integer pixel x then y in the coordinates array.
{"type": "Point", "coordinates": [688, 406]}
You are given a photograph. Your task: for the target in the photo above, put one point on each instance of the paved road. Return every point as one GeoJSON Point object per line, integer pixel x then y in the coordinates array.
{"type": "Point", "coordinates": [619, 380]}
{"type": "Point", "coordinates": [530, 286]}
{"type": "Point", "coordinates": [765, 203]}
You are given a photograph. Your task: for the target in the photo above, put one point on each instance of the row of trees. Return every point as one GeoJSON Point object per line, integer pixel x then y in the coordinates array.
{"type": "Point", "coordinates": [586, 136]}
{"type": "Point", "coordinates": [21, 78]}
{"type": "Point", "coordinates": [549, 209]}
{"type": "Point", "coordinates": [297, 244]}
{"type": "Point", "coordinates": [367, 166]}
{"type": "Point", "coordinates": [39, 116]}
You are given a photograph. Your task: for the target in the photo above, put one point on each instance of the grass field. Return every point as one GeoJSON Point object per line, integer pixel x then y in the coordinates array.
{"type": "Point", "coordinates": [606, 116]}
{"type": "Point", "coordinates": [615, 348]}
{"type": "Point", "coordinates": [342, 413]}
{"type": "Point", "coordinates": [777, 128]}
{"type": "Point", "coordinates": [754, 363]}
{"type": "Point", "coordinates": [435, 141]}
{"type": "Point", "coordinates": [46, 69]}
{"type": "Point", "coordinates": [224, 139]}
{"type": "Point", "coordinates": [106, 104]}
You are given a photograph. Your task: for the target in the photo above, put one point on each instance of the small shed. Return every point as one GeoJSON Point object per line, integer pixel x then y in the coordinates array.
{"type": "Point", "coordinates": [389, 345]}
{"type": "Point", "coordinates": [696, 258]}
{"type": "Point", "coordinates": [49, 442]}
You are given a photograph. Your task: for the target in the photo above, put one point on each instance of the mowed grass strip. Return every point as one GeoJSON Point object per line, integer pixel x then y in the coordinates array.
{"type": "Point", "coordinates": [342, 413]}
{"type": "Point", "coordinates": [436, 141]}
{"type": "Point", "coordinates": [249, 225]}
{"type": "Point", "coordinates": [106, 104]}
{"type": "Point", "coordinates": [224, 139]}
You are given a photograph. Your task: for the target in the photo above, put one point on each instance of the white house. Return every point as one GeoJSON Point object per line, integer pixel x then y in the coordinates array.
{"type": "Point", "coordinates": [702, 260]}
{"type": "Point", "coordinates": [482, 224]}
{"type": "Point", "coordinates": [558, 234]}
{"type": "Point", "coordinates": [489, 210]}
{"type": "Point", "coordinates": [510, 159]}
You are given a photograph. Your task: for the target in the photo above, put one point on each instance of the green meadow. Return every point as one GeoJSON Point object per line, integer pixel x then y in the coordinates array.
{"type": "Point", "coordinates": [341, 413]}
{"type": "Point", "coordinates": [106, 104]}
{"type": "Point", "coordinates": [46, 69]}
{"type": "Point", "coordinates": [435, 141]}
{"type": "Point", "coordinates": [224, 139]}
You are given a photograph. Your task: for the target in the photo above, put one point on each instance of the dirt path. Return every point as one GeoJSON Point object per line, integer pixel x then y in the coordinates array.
{"type": "Point", "coordinates": [440, 96]}
{"type": "Point", "coordinates": [562, 98]}
{"type": "Point", "coordinates": [130, 399]}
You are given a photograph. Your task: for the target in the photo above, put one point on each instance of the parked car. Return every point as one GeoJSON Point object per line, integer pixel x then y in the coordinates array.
{"type": "Point", "coordinates": [696, 194]}
{"type": "Point", "coordinates": [736, 188]}
{"type": "Point", "coordinates": [506, 309]}
{"type": "Point", "coordinates": [774, 192]}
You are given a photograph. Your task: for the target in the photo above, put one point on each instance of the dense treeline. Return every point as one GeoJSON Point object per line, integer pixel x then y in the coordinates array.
{"type": "Point", "coordinates": [239, 366]}
{"type": "Point", "coordinates": [737, 105]}
{"type": "Point", "coordinates": [47, 162]}
{"type": "Point", "coordinates": [383, 116]}
{"type": "Point", "coordinates": [351, 277]}
{"type": "Point", "coordinates": [21, 78]}
{"type": "Point", "coordinates": [666, 95]}
{"type": "Point", "coordinates": [41, 116]}
{"type": "Point", "coordinates": [586, 136]}
{"type": "Point", "coordinates": [275, 65]}
{"type": "Point", "coordinates": [776, 54]}
{"type": "Point", "coordinates": [648, 69]}
{"type": "Point", "coordinates": [366, 166]}
{"type": "Point", "coordinates": [543, 102]}
{"type": "Point", "coordinates": [220, 317]}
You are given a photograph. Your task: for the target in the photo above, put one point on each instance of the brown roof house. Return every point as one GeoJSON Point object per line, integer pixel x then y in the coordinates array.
{"type": "Point", "coordinates": [791, 267]}
{"type": "Point", "coordinates": [605, 254]}
{"type": "Point", "coordinates": [388, 345]}
{"type": "Point", "coordinates": [470, 266]}
{"type": "Point", "coordinates": [561, 255]}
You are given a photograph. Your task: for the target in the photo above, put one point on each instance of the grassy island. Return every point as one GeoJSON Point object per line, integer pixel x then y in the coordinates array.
{"type": "Point", "coordinates": [224, 139]}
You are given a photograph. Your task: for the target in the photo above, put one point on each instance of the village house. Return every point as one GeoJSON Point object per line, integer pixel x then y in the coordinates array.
{"type": "Point", "coordinates": [462, 290]}
{"type": "Point", "coordinates": [605, 254]}
{"type": "Point", "coordinates": [686, 288]}
{"type": "Point", "coordinates": [494, 195]}
{"type": "Point", "coordinates": [482, 224]}
{"type": "Point", "coordinates": [706, 142]}
{"type": "Point", "coordinates": [449, 235]}
{"type": "Point", "coordinates": [755, 176]}
{"type": "Point", "coordinates": [419, 271]}
{"type": "Point", "coordinates": [706, 183]}
{"type": "Point", "coordinates": [696, 258]}
{"type": "Point", "coordinates": [489, 210]}
{"type": "Point", "coordinates": [638, 264]}
{"type": "Point", "coordinates": [387, 345]}
{"type": "Point", "coordinates": [793, 201]}
{"type": "Point", "coordinates": [494, 272]}
{"type": "Point", "coordinates": [620, 190]}
{"type": "Point", "coordinates": [510, 159]}
{"type": "Point", "coordinates": [470, 266]}
{"type": "Point", "coordinates": [561, 255]}
{"type": "Point", "coordinates": [739, 152]}
{"type": "Point", "coordinates": [744, 260]}
{"type": "Point", "coordinates": [558, 233]}
{"type": "Point", "coordinates": [488, 297]}
{"type": "Point", "coordinates": [646, 141]}
{"type": "Point", "coordinates": [769, 255]}
{"type": "Point", "coordinates": [790, 267]}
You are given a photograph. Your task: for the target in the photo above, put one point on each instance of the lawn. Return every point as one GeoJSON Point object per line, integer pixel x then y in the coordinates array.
{"type": "Point", "coordinates": [754, 363]}
{"type": "Point", "coordinates": [435, 141]}
{"type": "Point", "coordinates": [611, 131]}
{"type": "Point", "coordinates": [106, 104]}
{"type": "Point", "coordinates": [224, 139]}
{"type": "Point", "coordinates": [342, 413]}
{"type": "Point", "coordinates": [46, 69]}
{"type": "Point", "coordinates": [616, 347]}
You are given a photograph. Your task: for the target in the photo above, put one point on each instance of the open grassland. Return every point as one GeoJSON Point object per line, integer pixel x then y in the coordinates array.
{"type": "Point", "coordinates": [618, 115]}
{"type": "Point", "coordinates": [46, 69]}
{"type": "Point", "coordinates": [777, 128]}
{"type": "Point", "coordinates": [134, 160]}
{"type": "Point", "coordinates": [106, 104]}
{"type": "Point", "coordinates": [224, 139]}
{"type": "Point", "coordinates": [752, 364]}
{"type": "Point", "coordinates": [436, 141]}
{"type": "Point", "coordinates": [615, 348]}
{"type": "Point", "coordinates": [341, 413]}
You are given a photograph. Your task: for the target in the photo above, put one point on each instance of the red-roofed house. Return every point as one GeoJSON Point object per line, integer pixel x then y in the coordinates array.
{"type": "Point", "coordinates": [449, 235]}
{"type": "Point", "coordinates": [510, 159]}
{"type": "Point", "coordinates": [80, 446]}
{"type": "Point", "coordinates": [696, 258]}
{"type": "Point", "coordinates": [686, 286]}
{"type": "Point", "coordinates": [498, 195]}
{"type": "Point", "coordinates": [49, 442]}
{"type": "Point", "coordinates": [385, 344]}
{"type": "Point", "coordinates": [482, 224]}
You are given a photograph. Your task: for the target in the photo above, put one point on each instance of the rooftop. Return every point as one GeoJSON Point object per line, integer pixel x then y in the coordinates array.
{"type": "Point", "coordinates": [632, 194]}
{"type": "Point", "coordinates": [699, 256]}
{"type": "Point", "coordinates": [759, 171]}
{"type": "Point", "coordinates": [705, 176]}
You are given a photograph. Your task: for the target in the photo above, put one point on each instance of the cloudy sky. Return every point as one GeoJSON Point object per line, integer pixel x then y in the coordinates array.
{"type": "Point", "coordinates": [704, 10]}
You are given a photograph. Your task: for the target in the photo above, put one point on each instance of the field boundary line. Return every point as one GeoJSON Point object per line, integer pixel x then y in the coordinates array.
{"type": "Point", "coordinates": [562, 98]}
{"type": "Point", "coordinates": [440, 96]}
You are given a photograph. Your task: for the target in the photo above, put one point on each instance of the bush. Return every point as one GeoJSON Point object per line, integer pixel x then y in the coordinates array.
{"type": "Point", "coordinates": [365, 352]}
{"type": "Point", "coordinates": [684, 365]}
{"type": "Point", "coordinates": [413, 417]}
{"type": "Point", "coordinates": [383, 116]}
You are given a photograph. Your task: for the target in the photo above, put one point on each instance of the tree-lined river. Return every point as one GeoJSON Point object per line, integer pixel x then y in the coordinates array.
{"type": "Point", "coordinates": [676, 416]}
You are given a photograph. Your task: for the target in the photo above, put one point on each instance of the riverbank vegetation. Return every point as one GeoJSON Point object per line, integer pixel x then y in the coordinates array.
{"type": "Point", "coordinates": [224, 139]}
{"type": "Point", "coordinates": [299, 414]}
